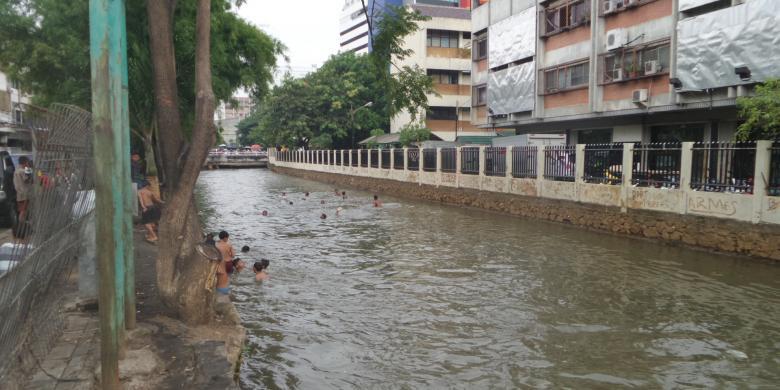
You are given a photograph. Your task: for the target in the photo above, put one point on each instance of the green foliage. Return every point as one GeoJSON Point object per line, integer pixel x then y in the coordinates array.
{"type": "Point", "coordinates": [414, 133]}
{"type": "Point", "coordinates": [761, 113]}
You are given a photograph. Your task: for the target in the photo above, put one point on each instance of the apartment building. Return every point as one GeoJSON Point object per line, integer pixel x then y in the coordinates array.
{"type": "Point", "coordinates": [229, 115]}
{"type": "Point", "coordinates": [442, 47]}
{"type": "Point", "coordinates": [13, 101]}
{"type": "Point", "coordinates": [620, 70]}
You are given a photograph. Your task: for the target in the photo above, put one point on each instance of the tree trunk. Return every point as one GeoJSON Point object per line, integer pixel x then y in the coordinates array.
{"type": "Point", "coordinates": [181, 272]}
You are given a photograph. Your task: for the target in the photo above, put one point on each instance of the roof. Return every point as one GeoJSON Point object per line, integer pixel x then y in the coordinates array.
{"type": "Point", "coordinates": [443, 12]}
{"type": "Point", "coordinates": [382, 139]}
{"type": "Point", "coordinates": [476, 139]}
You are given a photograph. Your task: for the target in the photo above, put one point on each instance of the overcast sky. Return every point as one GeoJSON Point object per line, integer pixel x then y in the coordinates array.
{"type": "Point", "coordinates": [309, 28]}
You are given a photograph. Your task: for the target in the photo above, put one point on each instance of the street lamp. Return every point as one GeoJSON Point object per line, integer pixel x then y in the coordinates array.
{"type": "Point", "coordinates": [352, 119]}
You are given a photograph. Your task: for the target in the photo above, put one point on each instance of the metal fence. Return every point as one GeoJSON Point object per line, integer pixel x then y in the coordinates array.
{"type": "Point", "coordinates": [413, 159]}
{"type": "Point", "coordinates": [657, 165]}
{"type": "Point", "coordinates": [773, 187]}
{"type": "Point", "coordinates": [603, 164]}
{"type": "Point", "coordinates": [386, 158]}
{"type": "Point", "coordinates": [429, 160]}
{"type": "Point", "coordinates": [495, 161]}
{"type": "Point", "coordinates": [723, 167]}
{"type": "Point", "coordinates": [524, 161]}
{"type": "Point", "coordinates": [364, 158]}
{"type": "Point", "coordinates": [374, 153]}
{"type": "Point", "coordinates": [469, 160]}
{"type": "Point", "coordinates": [36, 266]}
{"type": "Point", "coordinates": [398, 158]}
{"type": "Point", "coordinates": [449, 163]}
{"type": "Point", "coordinates": [354, 155]}
{"type": "Point", "coordinates": [559, 162]}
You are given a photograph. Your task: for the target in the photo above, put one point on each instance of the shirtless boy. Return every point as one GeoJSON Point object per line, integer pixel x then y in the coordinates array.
{"type": "Point", "coordinates": [150, 210]}
{"type": "Point", "coordinates": [226, 250]}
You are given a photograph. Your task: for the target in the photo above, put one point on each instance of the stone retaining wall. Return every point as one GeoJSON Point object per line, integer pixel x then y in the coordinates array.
{"type": "Point", "coordinates": [758, 240]}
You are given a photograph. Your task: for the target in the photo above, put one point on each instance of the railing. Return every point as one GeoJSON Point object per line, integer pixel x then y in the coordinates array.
{"type": "Point", "coordinates": [354, 154]}
{"type": "Point", "coordinates": [364, 158]}
{"type": "Point", "coordinates": [449, 157]}
{"type": "Point", "coordinates": [398, 158]}
{"type": "Point", "coordinates": [495, 161]}
{"type": "Point", "coordinates": [429, 160]}
{"type": "Point", "coordinates": [386, 158]}
{"type": "Point", "coordinates": [337, 157]}
{"type": "Point", "coordinates": [773, 187]}
{"type": "Point", "coordinates": [524, 161]}
{"type": "Point", "coordinates": [604, 164]}
{"type": "Point", "coordinates": [469, 160]}
{"type": "Point", "coordinates": [413, 159]}
{"type": "Point", "coordinates": [559, 162]}
{"type": "Point", "coordinates": [374, 158]}
{"type": "Point", "coordinates": [657, 165]}
{"type": "Point", "coordinates": [723, 167]}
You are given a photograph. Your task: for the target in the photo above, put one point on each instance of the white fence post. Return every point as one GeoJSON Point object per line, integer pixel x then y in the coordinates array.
{"type": "Point", "coordinates": [627, 174]}
{"type": "Point", "coordinates": [482, 164]}
{"type": "Point", "coordinates": [392, 159]}
{"type": "Point", "coordinates": [420, 165]}
{"type": "Point", "coordinates": [508, 172]}
{"type": "Point", "coordinates": [438, 167]}
{"type": "Point", "coordinates": [406, 159]}
{"type": "Point", "coordinates": [458, 164]}
{"type": "Point", "coordinates": [686, 172]}
{"type": "Point", "coordinates": [540, 170]}
{"type": "Point", "coordinates": [761, 177]}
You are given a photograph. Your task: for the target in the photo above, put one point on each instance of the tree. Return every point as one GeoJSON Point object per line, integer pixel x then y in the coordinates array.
{"type": "Point", "coordinates": [761, 113]}
{"type": "Point", "coordinates": [414, 133]}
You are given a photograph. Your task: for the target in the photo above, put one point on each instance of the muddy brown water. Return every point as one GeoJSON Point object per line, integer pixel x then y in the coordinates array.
{"type": "Point", "coordinates": [421, 295]}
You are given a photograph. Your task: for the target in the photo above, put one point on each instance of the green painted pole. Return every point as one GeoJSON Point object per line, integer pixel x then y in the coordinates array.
{"type": "Point", "coordinates": [107, 61]}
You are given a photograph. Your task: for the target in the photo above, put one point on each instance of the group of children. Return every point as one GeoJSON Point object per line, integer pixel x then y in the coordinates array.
{"type": "Point", "coordinates": [343, 194]}
{"type": "Point", "coordinates": [231, 264]}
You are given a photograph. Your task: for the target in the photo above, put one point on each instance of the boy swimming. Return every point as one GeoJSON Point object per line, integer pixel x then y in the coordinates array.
{"type": "Point", "coordinates": [260, 268]}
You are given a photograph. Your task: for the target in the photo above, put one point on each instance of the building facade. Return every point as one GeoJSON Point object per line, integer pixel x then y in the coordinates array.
{"type": "Point", "coordinates": [605, 71]}
{"type": "Point", "coordinates": [229, 115]}
{"type": "Point", "coordinates": [14, 137]}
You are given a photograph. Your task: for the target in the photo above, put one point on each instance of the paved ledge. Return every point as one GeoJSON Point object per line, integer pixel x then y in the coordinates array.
{"type": "Point", "coordinates": [715, 234]}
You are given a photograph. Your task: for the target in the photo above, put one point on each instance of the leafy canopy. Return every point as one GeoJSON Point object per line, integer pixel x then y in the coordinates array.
{"type": "Point", "coordinates": [761, 113]}
{"type": "Point", "coordinates": [414, 133]}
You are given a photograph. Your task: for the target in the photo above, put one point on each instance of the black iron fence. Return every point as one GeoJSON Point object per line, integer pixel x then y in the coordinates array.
{"type": "Point", "coordinates": [398, 159]}
{"type": "Point", "coordinates": [354, 155]}
{"type": "Point", "coordinates": [469, 160]}
{"type": "Point", "coordinates": [364, 158]}
{"type": "Point", "coordinates": [773, 187]}
{"type": "Point", "coordinates": [337, 157]}
{"type": "Point", "coordinates": [449, 163]}
{"type": "Point", "coordinates": [657, 165]}
{"type": "Point", "coordinates": [374, 158]}
{"type": "Point", "coordinates": [604, 164]}
{"type": "Point", "coordinates": [724, 167]}
{"type": "Point", "coordinates": [495, 161]}
{"type": "Point", "coordinates": [429, 160]}
{"type": "Point", "coordinates": [413, 159]}
{"type": "Point", "coordinates": [524, 161]}
{"type": "Point", "coordinates": [559, 162]}
{"type": "Point", "coordinates": [386, 158]}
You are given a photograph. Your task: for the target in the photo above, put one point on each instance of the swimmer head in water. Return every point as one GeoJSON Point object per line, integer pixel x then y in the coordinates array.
{"type": "Point", "coordinates": [323, 216]}
{"type": "Point", "coordinates": [264, 213]}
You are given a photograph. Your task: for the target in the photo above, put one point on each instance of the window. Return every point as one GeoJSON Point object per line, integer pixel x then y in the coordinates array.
{"type": "Point", "coordinates": [634, 62]}
{"type": "Point", "coordinates": [479, 96]}
{"type": "Point", "coordinates": [442, 113]}
{"type": "Point", "coordinates": [480, 45]}
{"type": "Point", "coordinates": [566, 77]}
{"type": "Point", "coordinates": [443, 38]}
{"type": "Point", "coordinates": [566, 15]}
{"type": "Point", "coordinates": [443, 76]}
{"type": "Point", "coordinates": [18, 116]}
{"type": "Point", "coordinates": [594, 137]}
{"type": "Point", "coordinates": [677, 133]}
{"type": "Point", "coordinates": [466, 35]}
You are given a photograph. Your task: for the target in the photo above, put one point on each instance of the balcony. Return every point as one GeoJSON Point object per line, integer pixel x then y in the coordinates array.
{"type": "Point", "coordinates": [452, 89]}
{"type": "Point", "coordinates": [449, 52]}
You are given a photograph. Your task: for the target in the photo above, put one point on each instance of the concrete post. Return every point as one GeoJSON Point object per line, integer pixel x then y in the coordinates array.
{"type": "Point", "coordinates": [508, 173]}
{"type": "Point", "coordinates": [359, 160]}
{"type": "Point", "coordinates": [342, 158]}
{"type": "Point", "coordinates": [761, 177]}
{"type": "Point", "coordinates": [380, 159]}
{"type": "Point", "coordinates": [540, 170]}
{"type": "Point", "coordinates": [392, 159]}
{"type": "Point", "coordinates": [686, 171]}
{"type": "Point", "coordinates": [368, 159]}
{"type": "Point", "coordinates": [438, 167]}
{"type": "Point", "coordinates": [406, 159]}
{"type": "Point", "coordinates": [420, 165]}
{"type": "Point", "coordinates": [349, 159]}
{"type": "Point", "coordinates": [458, 164]}
{"type": "Point", "coordinates": [627, 174]}
{"type": "Point", "coordinates": [88, 288]}
{"type": "Point", "coordinates": [579, 166]}
{"type": "Point", "coordinates": [481, 166]}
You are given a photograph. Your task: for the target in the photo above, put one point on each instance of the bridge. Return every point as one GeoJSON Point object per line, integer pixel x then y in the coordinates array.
{"type": "Point", "coordinates": [235, 160]}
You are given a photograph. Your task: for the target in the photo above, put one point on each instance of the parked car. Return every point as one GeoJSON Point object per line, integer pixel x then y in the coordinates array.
{"type": "Point", "coordinates": [8, 162]}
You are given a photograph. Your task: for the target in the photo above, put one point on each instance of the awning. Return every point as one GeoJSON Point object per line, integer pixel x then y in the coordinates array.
{"type": "Point", "coordinates": [384, 139]}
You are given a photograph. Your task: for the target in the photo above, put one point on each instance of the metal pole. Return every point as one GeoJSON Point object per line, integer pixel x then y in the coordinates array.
{"type": "Point", "coordinates": [108, 108]}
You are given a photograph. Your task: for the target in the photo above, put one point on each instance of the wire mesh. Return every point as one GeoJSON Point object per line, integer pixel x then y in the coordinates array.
{"type": "Point", "coordinates": [524, 161]}
{"type": "Point", "coordinates": [724, 167]}
{"type": "Point", "coordinates": [47, 237]}
{"type": "Point", "coordinates": [657, 165]}
{"type": "Point", "coordinates": [495, 161]}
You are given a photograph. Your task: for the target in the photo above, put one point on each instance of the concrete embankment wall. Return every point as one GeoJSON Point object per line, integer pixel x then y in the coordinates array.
{"type": "Point", "coordinates": [724, 235]}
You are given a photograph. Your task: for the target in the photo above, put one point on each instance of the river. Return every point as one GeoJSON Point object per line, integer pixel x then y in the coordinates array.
{"type": "Point", "coordinates": [421, 295]}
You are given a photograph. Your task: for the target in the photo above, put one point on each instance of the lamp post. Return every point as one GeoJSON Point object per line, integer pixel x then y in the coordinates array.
{"type": "Point", "coordinates": [352, 120]}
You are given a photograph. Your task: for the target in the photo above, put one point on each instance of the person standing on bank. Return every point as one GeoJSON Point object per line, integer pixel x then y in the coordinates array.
{"type": "Point", "coordinates": [150, 210]}
{"type": "Point", "coordinates": [23, 184]}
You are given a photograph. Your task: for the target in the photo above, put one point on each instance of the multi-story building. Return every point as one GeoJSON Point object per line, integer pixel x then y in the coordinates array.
{"type": "Point", "coordinates": [442, 46]}
{"type": "Point", "coordinates": [13, 102]}
{"type": "Point", "coordinates": [229, 115]}
{"type": "Point", "coordinates": [621, 70]}
{"type": "Point", "coordinates": [353, 27]}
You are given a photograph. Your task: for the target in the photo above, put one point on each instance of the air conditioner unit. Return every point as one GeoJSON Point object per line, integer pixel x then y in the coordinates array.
{"type": "Point", "coordinates": [615, 38]}
{"type": "Point", "coordinates": [631, 3]}
{"type": "Point", "coordinates": [609, 6]}
{"type": "Point", "coordinates": [639, 96]}
{"type": "Point", "coordinates": [652, 67]}
{"type": "Point", "coordinates": [617, 75]}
